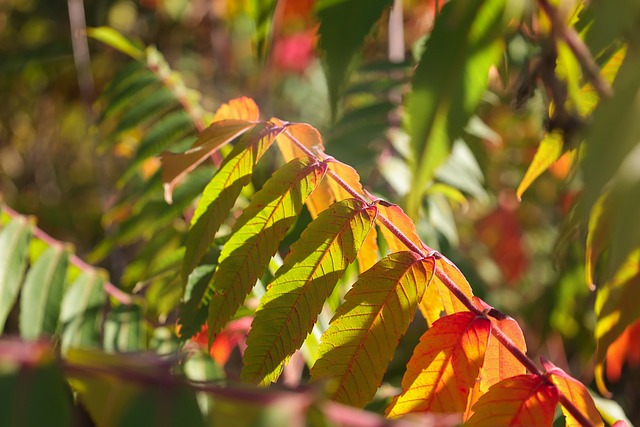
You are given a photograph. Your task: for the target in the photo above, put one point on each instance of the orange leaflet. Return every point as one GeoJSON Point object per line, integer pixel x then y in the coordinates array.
{"type": "Point", "coordinates": [625, 347]}
{"type": "Point", "coordinates": [229, 122]}
{"type": "Point", "coordinates": [444, 366]}
{"type": "Point", "coordinates": [438, 299]}
{"type": "Point", "coordinates": [402, 222]}
{"type": "Point", "coordinates": [575, 392]}
{"type": "Point", "coordinates": [499, 363]}
{"type": "Point", "coordinates": [242, 108]}
{"type": "Point", "coordinates": [525, 400]}
{"type": "Point", "coordinates": [309, 137]}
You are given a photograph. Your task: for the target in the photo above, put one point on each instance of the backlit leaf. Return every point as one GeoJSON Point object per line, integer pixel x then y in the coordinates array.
{"type": "Point", "coordinates": [257, 234]}
{"type": "Point", "coordinates": [343, 28]}
{"type": "Point", "coordinates": [242, 108]}
{"type": "Point", "coordinates": [616, 308]}
{"type": "Point", "coordinates": [576, 393]}
{"type": "Point", "coordinates": [295, 297]}
{"type": "Point", "coordinates": [176, 166]}
{"type": "Point", "coordinates": [14, 243]}
{"type": "Point", "coordinates": [525, 400]}
{"type": "Point", "coordinates": [449, 82]}
{"type": "Point", "coordinates": [549, 150]}
{"type": "Point", "coordinates": [624, 349]}
{"type": "Point", "coordinates": [309, 137]}
{"type": "Point", "coordinates": [194, 308]}
{"type": "Point", "coordinates": [365, 330]}
{"type": "Point", "coordinates": [402, 222]}
{"type": "Point", "coordinates": [220, 194]}
{"type": "Point", "coordinates": [444, 366]}
{"type": "Point", "coordinates": [438, 300]}
{"type": "Point", "coordinates": [113, 38]}
{"type": "Point", "coordinates": [41, 296]}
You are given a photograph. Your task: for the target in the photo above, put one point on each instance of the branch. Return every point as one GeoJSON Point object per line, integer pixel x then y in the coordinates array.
{"type": "Point", "coordinates": [450, 284]}
{"type": "Point", "coordinates": [110, 288]}
{"type": "Point", "coordinates": [579, 49]}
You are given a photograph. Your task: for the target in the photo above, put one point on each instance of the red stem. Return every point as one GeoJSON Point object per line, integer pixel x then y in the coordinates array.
{"type": "Point", "coordinates": [453, 288]}
{"type": "Point", "coordinates": [110, 288]}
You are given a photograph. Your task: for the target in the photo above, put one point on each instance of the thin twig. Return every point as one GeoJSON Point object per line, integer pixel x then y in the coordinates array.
{"type": "Point", "coordinates": [110, 288]}
{"type": "Point", "coordinates": [579, 49]}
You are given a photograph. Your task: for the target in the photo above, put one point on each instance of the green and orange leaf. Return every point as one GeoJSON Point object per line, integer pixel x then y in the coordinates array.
{"type": "Point", "coordinates": [576, 393]}
{"type": "Point", "coordinates": [257, 234]}
{"type": "Point", "coordinates": [444, 366]}
{"type": "Point", "coordinates": [295, 297]}
{"type": "Point", "coordinates": [525, 400]}
{"type": "Point", "coordinates": [365, 330]}
{"type": "Point", "coordinates": [400, 220]}
{"type": "Point", "coordinates": [220, 194]}
{"type": "Point", "coordinates": [175, 166]}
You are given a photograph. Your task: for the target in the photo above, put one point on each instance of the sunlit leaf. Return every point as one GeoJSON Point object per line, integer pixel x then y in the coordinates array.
{"type": "Point", "coordinates": [525, 400]}
{"type": "Point", "coordinates": [624, 349]}
{"type": "Point", "coordinates": [41, 296]}
{"type": "Point", "coordinates": [176, 166]}
{"type": "Point", "coordinates": [365, 330]}
{"type": "Point", "coordinates": [576, 393]}
{"type": "Point", "coordinates": [448, 84]}
{"type": "Point", "coordinates": [113, 38]}
{"type": "Point", "coordinates": [438, 301]}
{"type": "Point", "coordinates": [549, 150]}
{"type": "Point", "coordinates": [402, 222]}
{"type": "Point", "coordinates": [221, 193]}
{"type": "Point", "coordinates": [444, 366]}
{"type": "Point", "coordinates": [257, 234]}
{"type": "Point", "coordinates": [343, 28]}
{"type": "Point", "coordinates": [294, 298]}
{"type": "Point", "coordinates": [242, 108]}
{"type": "Point", "coordinates": [14, 243]}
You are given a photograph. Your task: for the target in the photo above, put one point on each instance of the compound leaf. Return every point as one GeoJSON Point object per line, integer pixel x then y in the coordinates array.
{"type": "Point", "coordinates": [295, 297]}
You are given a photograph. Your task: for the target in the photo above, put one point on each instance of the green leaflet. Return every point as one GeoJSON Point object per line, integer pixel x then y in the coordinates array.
{"type": "Point", "coordinates": [14, 242]}
{"type": "Point", "coordinates": [147, 109]}
{"type": "Point", "coordinates": [42, 293]}
{"type": "Point", "coordinates": [448, 84]}
{"type": "Point", "coordinates": [610, 163]}
{"type": "Point", "coordinates": [193, 310]}
{"type": "Point", "coordinates": [365, 330]}
{"type": "Point", "coordinates": [343, 27]}
{"type": "Point", "coordinates": [113, 38]}
{"type": "Point", "coordinates": [124, 330]}
{"type": "Point", "coordinates": [295, 297]}
{"type": "Point", "coordinates": [81, 311]}
{"type": "Point", "coordinates": [257, 235]}
{"type": "Point", "coordinates": [167, 131]}
{"type": "Point", "coordinates": [221, 193]}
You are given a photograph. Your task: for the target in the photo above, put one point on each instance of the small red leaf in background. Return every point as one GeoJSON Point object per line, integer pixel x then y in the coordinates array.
{"type": "Point", "coordinates": [525, 400]}
{"type": "Point", "coordinates": [575, 392]}
{"type": "Point", "coordinates": [444, 366]}
{"type": "Point", "coordinates": [625, 348]}
{"type": "Point", "coordinates": [234, 335]}
{"type": "Point", "coordinates": [293, 53]}
{"type": "Point", "coordinates": [501, 232]}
